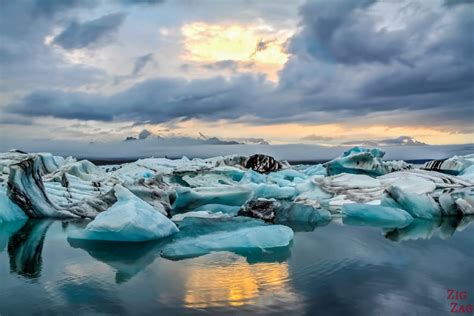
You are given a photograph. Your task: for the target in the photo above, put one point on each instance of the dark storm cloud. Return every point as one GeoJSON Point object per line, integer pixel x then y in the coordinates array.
{"type": "Point", "coordinates": [157, 101]}
{"type": "Point", "coordinates": [450, 3]}
{"type": "Point", "coordinates": [141, 62]}
{"type": "Point", "coordinates": [339, 31]}
{"type": "Point", "coordinates": [80, 35]}
{"type": "Point", "coordinates": [346, 62]}
{"type": "Point", "coordinates": [48, 8]}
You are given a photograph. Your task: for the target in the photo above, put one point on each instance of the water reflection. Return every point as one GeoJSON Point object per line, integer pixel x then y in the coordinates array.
{"type": "Point", "coordinates": [128, 259]}
{"type": "Point", "coordinates": [25, 248]}
{"type": "Point", "coordinates": [6, 230]}
{"type": "Point", "coordinates": [236, 283]}
{"type": "Point", "coordinates": [336, 269]}
{"type": "Point", "coordinates": [426, 229]}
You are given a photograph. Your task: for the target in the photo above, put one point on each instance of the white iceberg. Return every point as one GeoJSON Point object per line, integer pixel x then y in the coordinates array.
{"type": "Point", "coordinates": [129, 219]}
{"type": "Point", "coordinates": [359, 160]}
{"type": "Point", "coordinates": [243, 239]}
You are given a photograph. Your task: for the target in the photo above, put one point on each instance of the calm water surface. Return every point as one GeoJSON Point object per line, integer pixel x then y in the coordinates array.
{"type": "Point", "coordinates": [336, 269]}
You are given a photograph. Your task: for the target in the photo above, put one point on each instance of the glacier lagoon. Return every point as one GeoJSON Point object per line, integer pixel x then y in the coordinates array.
{"type": "Point", "coordinates": [234, 234]}
{"type": "Point", "coordinates": [339, 268]}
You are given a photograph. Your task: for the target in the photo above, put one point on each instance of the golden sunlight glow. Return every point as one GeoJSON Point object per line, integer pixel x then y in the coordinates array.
{"type": "Point", "coordinates": [256, 45]}
{"type": "Point", "coordinates": [236, 284]}
{"type": "Point", "coordinates": [294, 132]}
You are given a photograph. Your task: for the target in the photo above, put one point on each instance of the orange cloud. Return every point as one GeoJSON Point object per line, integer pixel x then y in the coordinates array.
{"type": "Point", "coordinates": [258, 45]}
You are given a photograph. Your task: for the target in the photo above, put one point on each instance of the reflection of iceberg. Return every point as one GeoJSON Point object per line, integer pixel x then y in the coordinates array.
{"type": "Point", "coordinates": [25, 248]}
{"type": "Point", "coordinates": [237, 283]}
{"type": "Point", "coordinates": [127, 258]}
{"type": "Point", "coordinates": [425, 229]}
{"type": "Point", "coordinates": [8, 229]}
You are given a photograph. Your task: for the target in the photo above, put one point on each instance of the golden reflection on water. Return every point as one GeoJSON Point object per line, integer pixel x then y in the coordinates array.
{"type": "Point", "coordinates": [236, 284]}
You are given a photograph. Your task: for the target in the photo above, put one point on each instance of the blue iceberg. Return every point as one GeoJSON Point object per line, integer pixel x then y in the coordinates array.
{"type": "Point", "coordinates": [376, 215]}
{"type": "Point", "coordinates": [129, 219]}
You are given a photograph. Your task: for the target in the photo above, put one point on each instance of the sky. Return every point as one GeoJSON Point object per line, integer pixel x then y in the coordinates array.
{"type": "Point", "coordinates": [290, 72]}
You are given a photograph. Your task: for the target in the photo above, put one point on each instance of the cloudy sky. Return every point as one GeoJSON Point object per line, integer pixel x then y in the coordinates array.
{"type": "Point", "coordinates": [287, 71]}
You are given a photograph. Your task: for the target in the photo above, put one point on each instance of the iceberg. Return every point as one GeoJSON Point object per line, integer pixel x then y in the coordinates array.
{"type": "Point", "coordinates": [65, 199]}
{"type": "Point", "coordinates": [376, 215]}
{"type": "Point", "coordinates": [454, 165]}
{"type": "Point", "coordinates": [241, 240]}
{"type": "Point", "coordinates": [129, 219]}
{"type": "Point", "coordinates": [418, 205]}
{"type": "Point", "coordinates": [359, 160]}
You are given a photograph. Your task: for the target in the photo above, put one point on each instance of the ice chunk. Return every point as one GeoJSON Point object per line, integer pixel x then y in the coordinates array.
{"type": "Point", "coordinates": [376, 215]}
{"type": "Point", "coordinates": [243, 239]}
{"type": "Point", "coordinates": [454, 165]}
{"type": "Point", "coordinates": [418, 205]}
{"type": "Point", "coordinates": [129, 219]}
{"type": "Point", "coordinates": [9, 211]}
{"type": "Point", "coordinates": [359, 160]}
